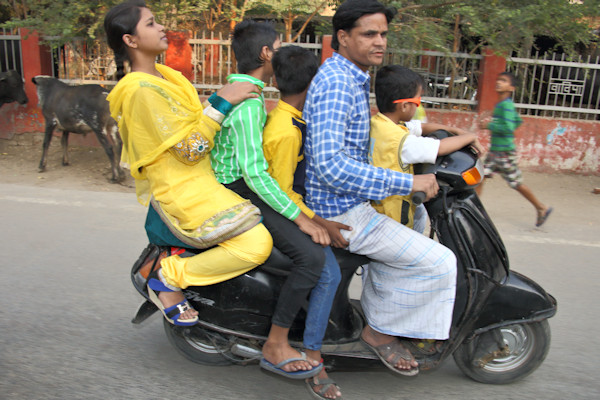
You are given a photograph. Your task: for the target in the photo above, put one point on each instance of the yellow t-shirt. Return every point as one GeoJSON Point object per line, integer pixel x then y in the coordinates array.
{"type": "Point", "coordinates": [387, 139]}
{"type": "Point", "coordinates": [284, 149]}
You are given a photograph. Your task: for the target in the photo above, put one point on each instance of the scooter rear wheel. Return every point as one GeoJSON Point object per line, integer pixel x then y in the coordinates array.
{"type": "Point", "coordinates": [198, 345]}
{"type": "Point", "coordinates": [528, 345]}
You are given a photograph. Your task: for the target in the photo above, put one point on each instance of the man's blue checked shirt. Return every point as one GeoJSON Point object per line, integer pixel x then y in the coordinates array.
{"type": "Point", "coordinates": [337, 113]}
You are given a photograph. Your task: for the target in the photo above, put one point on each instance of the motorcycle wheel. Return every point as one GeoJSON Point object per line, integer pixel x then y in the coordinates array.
{"type": "Point", "coordinates": [198, 345]}
{"type": "Point", "coordinates": [528, 345]}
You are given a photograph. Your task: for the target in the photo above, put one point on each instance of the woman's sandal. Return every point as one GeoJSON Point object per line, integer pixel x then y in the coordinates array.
{"type": "Point", "coordinates": [326, 384]}
{"type": "Point", "coordinates": [155, 285]}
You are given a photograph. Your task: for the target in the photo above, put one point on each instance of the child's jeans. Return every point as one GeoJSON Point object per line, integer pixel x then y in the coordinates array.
{"type": "Point", "coordinates": [420, 218]}
{"type": "Point", "coordinates": [320, 302]}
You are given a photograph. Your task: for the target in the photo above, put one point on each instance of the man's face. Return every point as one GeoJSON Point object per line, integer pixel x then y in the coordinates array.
{"type": "Point", "coordinates": [365, 44]}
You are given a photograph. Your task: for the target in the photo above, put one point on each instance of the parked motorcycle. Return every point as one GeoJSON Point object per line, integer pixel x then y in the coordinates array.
{"type": "Point", "coordinates": [499, 332]}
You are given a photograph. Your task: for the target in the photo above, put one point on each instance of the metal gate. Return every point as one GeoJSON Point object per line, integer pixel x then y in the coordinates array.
{"type": "Point", "coordinates": [557, 87]}
{"type": "Point", "coordinates": [10, 50]}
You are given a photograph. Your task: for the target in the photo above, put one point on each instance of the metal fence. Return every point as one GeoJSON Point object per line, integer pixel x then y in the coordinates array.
{"type": "Point", "coordinates": [10, 50]}
{"type": "Point", "coordinates": [450, 78]}
{"type": "Point", "coordinates": [555, 87]}
{"type": "Point", "coordinates": [82, 62]}
{"type": "Point", "coordinates": [213, 60]}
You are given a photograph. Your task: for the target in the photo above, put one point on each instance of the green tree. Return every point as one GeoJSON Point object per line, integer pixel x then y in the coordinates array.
{"type": "Point", "coordinates": [505, 25]}
{"type": "Point", "coordinates": [65, 20]}
{"type": "Point", "coordinates": [292, 10]}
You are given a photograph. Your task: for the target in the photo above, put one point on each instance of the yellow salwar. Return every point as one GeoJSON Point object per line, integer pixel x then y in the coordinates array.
{"type": "Point", "coordinates": [166, 141]}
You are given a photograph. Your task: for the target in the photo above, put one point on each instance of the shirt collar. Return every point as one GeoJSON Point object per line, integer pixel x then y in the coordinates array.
{"type": "Point", "coordinates": [361, 76]}
{"type": "Point", "coordinates": [245, 78]}
{"type": "Point", "coordinates": [289, 108]}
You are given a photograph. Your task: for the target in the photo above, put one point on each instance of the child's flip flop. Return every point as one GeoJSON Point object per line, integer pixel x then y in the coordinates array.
{"type": "Point", "coordinates": [276, 368]}
{"type": "Point", "coordinates": [543, 217]}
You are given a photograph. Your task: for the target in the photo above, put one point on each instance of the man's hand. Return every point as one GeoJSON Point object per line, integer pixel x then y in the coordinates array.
{"type": "Point", "coordinates": [334, 230]}
{"type": "Point", "coordinates": [427, 184]}
{"type": "Point", "coordinates": [316, 232]}
{"type": "Point", "coordinates": [236, 92]}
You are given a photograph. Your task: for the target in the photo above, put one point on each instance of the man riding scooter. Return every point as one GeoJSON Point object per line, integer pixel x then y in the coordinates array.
{"type": "Point", "coordinates": [340, 181]}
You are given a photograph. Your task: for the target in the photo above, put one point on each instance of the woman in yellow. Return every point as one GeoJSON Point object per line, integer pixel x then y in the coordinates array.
{"type": "Point", "coordinates": [167, 136]}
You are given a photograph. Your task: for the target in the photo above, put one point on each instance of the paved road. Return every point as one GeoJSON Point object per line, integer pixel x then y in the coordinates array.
{"type": "Point", "coordinates": [66, 304]}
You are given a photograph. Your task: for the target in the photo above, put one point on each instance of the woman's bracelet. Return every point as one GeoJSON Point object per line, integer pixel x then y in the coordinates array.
{"type": "Point", "coordinates": [220, 104]}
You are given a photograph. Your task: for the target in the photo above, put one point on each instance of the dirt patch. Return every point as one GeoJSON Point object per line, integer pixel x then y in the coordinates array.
{"type": "Point", "coordinates": [89, 167]}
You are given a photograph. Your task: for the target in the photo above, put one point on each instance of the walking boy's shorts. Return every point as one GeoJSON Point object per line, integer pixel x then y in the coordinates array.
{"type": "Point", "coordinates": [505, 163]}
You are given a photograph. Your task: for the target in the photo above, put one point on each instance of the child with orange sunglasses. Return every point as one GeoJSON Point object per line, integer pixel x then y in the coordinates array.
{"type": "Point", "coordinates": [398, 93]}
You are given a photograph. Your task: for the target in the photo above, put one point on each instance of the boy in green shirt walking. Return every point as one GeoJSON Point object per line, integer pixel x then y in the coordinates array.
{"type": "Point", "coordinates": [502, 156]}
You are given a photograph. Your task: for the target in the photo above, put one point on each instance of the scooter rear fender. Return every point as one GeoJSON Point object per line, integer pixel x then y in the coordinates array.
{"type": "Point", "coordinates": [519, 299]}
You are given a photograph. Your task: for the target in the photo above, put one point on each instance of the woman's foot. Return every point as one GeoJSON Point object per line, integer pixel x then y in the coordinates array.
{"type": "Point", "coordinates": [321, 384]}
{"type": "Point", "coordinates": [401, 359]}
{"type": "Point", "coordinates": [169, 299]}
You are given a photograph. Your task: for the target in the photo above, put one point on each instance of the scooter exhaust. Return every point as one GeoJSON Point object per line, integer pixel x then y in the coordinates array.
{"type": "Point", "coordinates": [245, 351]}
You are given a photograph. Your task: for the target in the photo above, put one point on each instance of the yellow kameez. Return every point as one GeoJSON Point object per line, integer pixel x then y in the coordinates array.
{"type": "Point", "coordinates": [156, 116]}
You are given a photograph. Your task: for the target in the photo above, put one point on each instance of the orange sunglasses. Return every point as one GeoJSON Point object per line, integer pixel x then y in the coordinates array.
{"type": "Point", "coordinates": [414, 100]}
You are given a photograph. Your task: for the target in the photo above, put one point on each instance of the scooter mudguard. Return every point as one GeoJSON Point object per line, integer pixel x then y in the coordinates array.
{"type": "Point", "coordinates": [520, 300]}
{"type": "Point", "coordinates": [146, 309]}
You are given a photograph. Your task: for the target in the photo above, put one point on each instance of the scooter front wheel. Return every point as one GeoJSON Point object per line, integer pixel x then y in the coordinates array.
{"type": "Point", "coordinates": [523, 349]}
{"type": "Point", "coordinates": [199, 345]}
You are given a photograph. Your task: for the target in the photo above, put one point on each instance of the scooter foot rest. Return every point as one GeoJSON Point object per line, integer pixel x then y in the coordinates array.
{"type": "Point", "coordinates": [146, 309]}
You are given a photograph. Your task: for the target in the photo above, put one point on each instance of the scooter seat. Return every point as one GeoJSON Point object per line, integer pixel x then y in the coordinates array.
{"type": "Point", "coordinates": [277, 263]}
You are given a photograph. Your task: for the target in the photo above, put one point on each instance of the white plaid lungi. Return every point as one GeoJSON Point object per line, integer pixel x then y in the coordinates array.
{"type": "Point", "coordinates": [411, 284]}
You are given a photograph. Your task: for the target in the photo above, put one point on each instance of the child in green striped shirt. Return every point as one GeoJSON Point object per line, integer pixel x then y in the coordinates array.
{"type": "Point", "coordinates": [239, 163]}
{"type": "Point", "coordinates": [502, 157]}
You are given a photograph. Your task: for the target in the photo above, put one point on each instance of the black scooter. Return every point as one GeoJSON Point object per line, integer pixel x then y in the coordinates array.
{"type": "Point", "coordinates": [499, 332]}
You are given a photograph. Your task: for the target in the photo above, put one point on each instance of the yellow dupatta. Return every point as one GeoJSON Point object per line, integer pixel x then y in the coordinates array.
{"type": "Point", "coordinates": [153, 115]}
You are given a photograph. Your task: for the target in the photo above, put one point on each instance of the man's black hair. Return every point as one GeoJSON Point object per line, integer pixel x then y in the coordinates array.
{"type": "Point", "coordinates": [294, 68]}
{"type": "Point", "coordinates": [511, 77]}
{"type": "Point", "coordinates": [249, 38]}
{"type": "Point", "coordinates": [350, 11]}
{"type": "Point", "coordinates": [394, 82]}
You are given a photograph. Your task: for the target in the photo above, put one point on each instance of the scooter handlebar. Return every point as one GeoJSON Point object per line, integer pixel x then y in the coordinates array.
{"type": "Point", "coordinates": [418, 198]}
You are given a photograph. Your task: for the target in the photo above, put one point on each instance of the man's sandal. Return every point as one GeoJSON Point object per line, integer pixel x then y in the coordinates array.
{"type": "Point", "coordinates": [326, 384]}
{"type": "Point", "coordinates": [155, 285]}
{"type": "Point", "coordinates": [398, 352]}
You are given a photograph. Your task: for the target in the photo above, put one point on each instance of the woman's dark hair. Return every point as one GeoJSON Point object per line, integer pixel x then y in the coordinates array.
{"type": "Point", "coordinates": [121, 20]}
{"type": "Point", "coordinates": [350, 11]}
{"type": "Point", "coordinates": [394, 82]}
{"type": "Point", "coordinates": [249, 38]}
{"type": "Point", "coordinates": [294, 68]}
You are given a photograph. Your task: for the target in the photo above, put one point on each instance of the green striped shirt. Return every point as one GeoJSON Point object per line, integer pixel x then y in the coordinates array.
{"type": "Point", "coordinates": [505, 121]}
{"type": "Point", "coordinates": [238, 152]}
